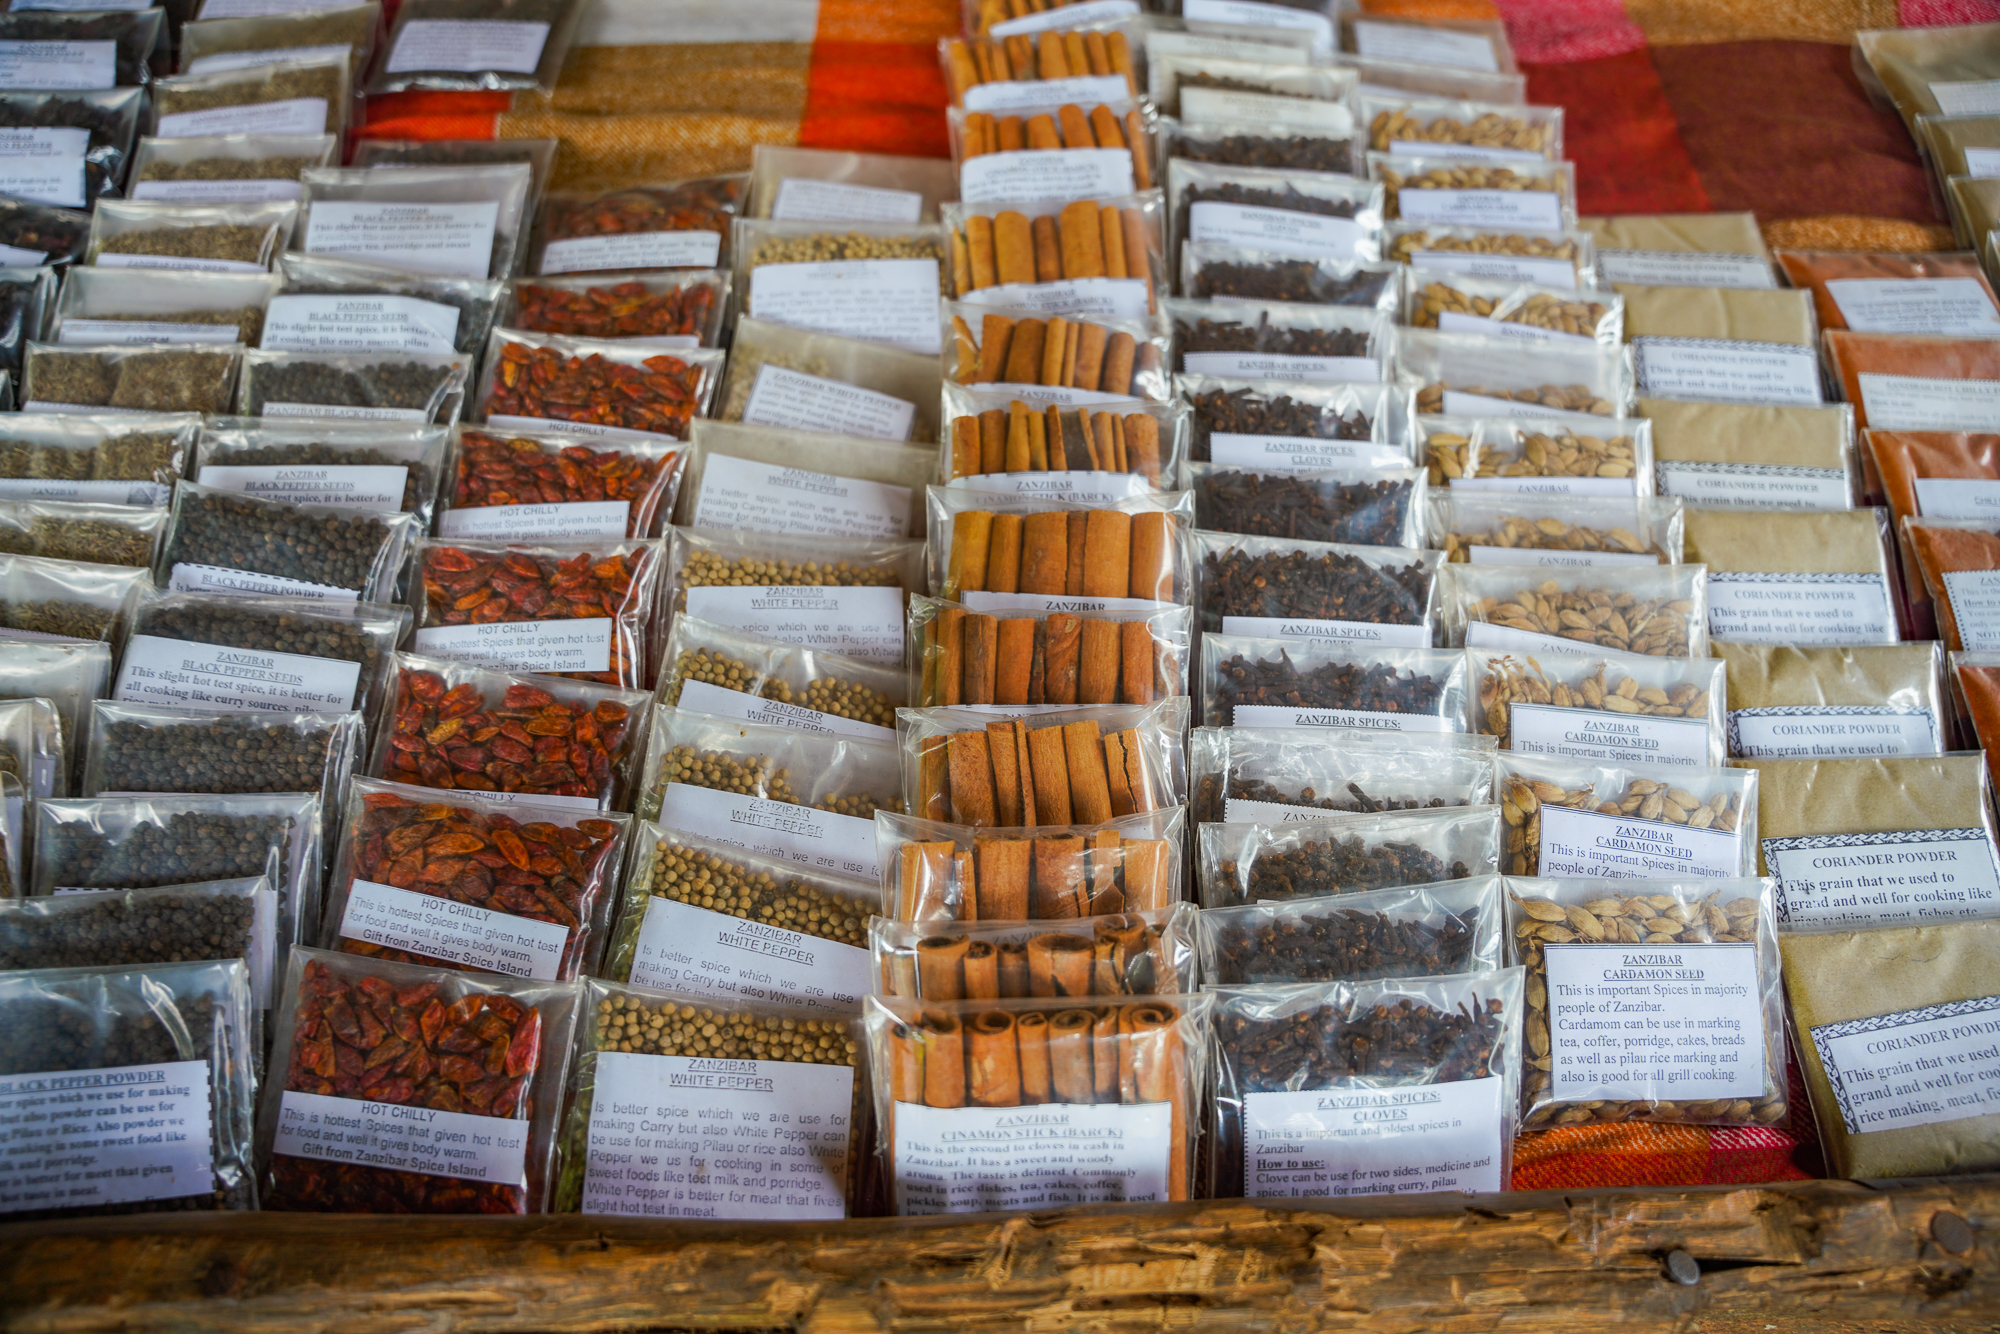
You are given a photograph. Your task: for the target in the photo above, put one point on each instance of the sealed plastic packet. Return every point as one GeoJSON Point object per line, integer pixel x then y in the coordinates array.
{"type": "Point", "coordinates": [1445, 189]}
{"type": "Point", "coordinates": [1897, 293]}
{"type": "Point", "coordinates": [337, 305]}
{"type": "Point", "coordinates": [68, 675]}
{"type": "Point", "coordinates": [1270, 424]}
{"type": "Point", "coordinates": [1240, 774]}
{"type": "Point", "coordinates": [1561, 259]}
{"type": "Point", "coordinates": [1339, 854]}
{"type": "Point", "coordinates": [1453, 926]}
{"type": "Point", "coordinates": [771, 479]}
{"type": "Point", "coordinates": [102, 305]}
{"type": "Point", "coordinates": [31, 750]}
{"type": "Point", "coordinates": [304, 96]}
{"type": "Point", "coordinates": [1307, 140]}
{"type": "Point", "coordinates": [1681, 250]}
{"type": "Point", "coordinates": [1256, 681]}
{"type": "Point", "coordinates": [691, 905]}
{"type": "Point", "coordinates": [1739, 455]}
{"type": "Point", "coordinates": [1725, 344]}
{"type": "Point", "coordinates": [1291, 589]}
{"type": "Point", "coordinates": [83, 50]}
{"type": "Point", "coordinates": [1500, 308]}
{"type": "Point", "coordinates": [593, 386]}
{"type": "Point", "coordinates": [843, 594]}
{"type": "Point", "coordinates": [1926, 72]}
{"type": "Point", "coordinates": [729, 673]}
{"type": "Point", "coordinates": [539, 154]}
{"type": "Point", "coordinates": [1098, 257]}
{"type": "Point", "coordinates": [823, 185]}
{"type": "Point", "coordinates": [338, 1010]}
{"type": "Point", "coordinates": [226, 168]}
{"type": "Point", "coordinates": [1212, 271]}
{"type": "Point", "coordinates": [1632, 821]}
{"type": "Point", "coordinates": [146, 378]}
{"type": "Point", "coordinates": [1659, 610]}
{"type": "Point", "coordinates": [1797, 577]}
{"type": "Point", "coordinates": [83, 531]}
{"type": "Point", "coordinates": [874, 281]}
{"type": "Point", "coordinates": [1069, 360]}
{"type": "Point", "coordinates": [348, 465]}
{"type": "Point", "coordinates": [780, 375]}
{"type": "Point", "coordinates": [1533, 529]}
{"type": "Point", "coordinates": [488, 44]}
{"type": "Point", "coordinates": [1374, 507]}
{"type": "Point", "coordinates": [468, 222]}
{"type": "Point", "coordinates": [546, 485]}
{"type": "Point", "coordinates": [1342, 1072]}
{"type": "Point", "coordinates": [1124, 954]}
{"type": "Point", "coordinates": [152, 750]}
{"type": "Point", "coordinates": [1279, 341]}
{"type": "Point", "coordinates": [1023, 661]}
{"type": "Point", "coordinates": [1472, 376]}
{"type": "Point", "coordinates": [681, 225]}
{"type": "Point", "coordinates": [182, 1037]}
{"type": "Point", "coordinates": [998, 442]}
{"type": "Point", "coordinates": [638, 1048]}
{"type": "Point", "coordinates": [998, 552]}
{"type": "Point", "coordinates": [1915, 382]}
{"type": "Point", "coordinates": [1310, 214]}
{"type": "Point", "coordinates": [932, 871]}
{"type": "Point", "coordinates": [1954, 559]}
{"type": "Point", "coordinates": [404, 388]}
{"type": "Point", "coordinates": [116, 458]}
{"type": "Point", "coordinates": [1567, 455]}
{"type": "Point", "coordinates": [948, 1076]}
{"type": "Point", "coordinates": [1457, 128]}
{"type": "Point", "coordinates": [1036, 151]}
{"type": "Point", "coordinates": [133, 928]}
{"type": "Point", "coordinates": [677, 309]}
{"type": "Point", "coordinates": [1819, 702]}
{"type": "Point", "coordinates": [560, 744]}
{"type": "Point", "coordinates": [220, 238]}
{"type": "Point", "coordinates": [1203, 87]}
{"type": "Point", "coordinates": [109, 119]}
{"type": "Point", "coordinates": [1603, 707]}
{"type": "Point", "coordinates": [222, 541]}
{"type": "Point", "coordinates": [212, 42]}
{"type": "Point", "coordinates": [1934, 474]}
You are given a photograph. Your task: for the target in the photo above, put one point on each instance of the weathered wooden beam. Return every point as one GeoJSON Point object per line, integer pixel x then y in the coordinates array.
{"type": "Point", "coordinates": [1567, 1264]}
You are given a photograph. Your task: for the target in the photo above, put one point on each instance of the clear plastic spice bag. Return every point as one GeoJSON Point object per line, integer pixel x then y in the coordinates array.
{"type": "Point", "coordinates": [1279, 341]}
{"type": "Point", "coordinates": [68, 50]}
{"type": "Point", "coordinates": [829, 185]}
{"type": "Point", "coordinates": [1068, 360]}
{"type": "Point", "coordinates": [337, 305]}
{"type": "Point", "coordinates": [1447, 190]}
{"type": "Point", "coordinates": [1453, 926]}
{"type": "Point", "coordinates": [932, 871]}
{"type": "Point", "coordinates": [1124, 954]}
{"type": "Point", "coordinates": [1273, 423]}
{"type": "Point", "coordinates": [463, 45]}
{"type": "Point", "coordinates": [1472, 376]}
{"type": "Point", "coordinates": [351, 465]}
{"type": "Point", "coordinates": [847, 594]}
{"type": "Point", "coordinates": [1116, 130]}
{"type": "Point", "coordinates": [1563, 259]}
{"type": "Point", "coordinates": [1339, 854]}
{"type": "Point", "coordinates": [109, 306]}
{"type": "Point", "coordinates": [1584, 706]}
{"type": "Point", "coordinates": [1313, 214]}
{"type": "Point", "coordinates": [666, 309]}
{"type": "Point", "coordinates": [1254, 681]}
{"type": "Point", "coordinates": [261, 39]}
{"type": "Point", "coordinates": [1213, 270]}
{"type": "Point", "coordinates": [539, 154]}
{"type": "Point", "coordinates": [1308, 139]}
{"type": "Point", "coordinates": [408, 388]}
{"type": "Point", "coordinates": [742, 476]}
{"type": "Point", "coordinates": [1659, 610]}
{"type": "Point", "coordinates": [1790, 701]}
{"type": "Point", "coordinates": [305, 96]}
{"type": "Point", "coordinates": [131, 928]}
{"type": "Point", "coordinates": [463, 222]}
{"type": "Point", "coordinates": [154, 749]}
{"type": "Point", "coordinates": [1798, 576]}
{"type": "Point", "coordinates": [147, 378]}
{"type": "Point", "coordinates": [1524, 529]}
{"type": "Point", "coordinates": [1569, 454]}
{"type": "Point", "coordinates": [27, 295]}
{"type": "Point", "coordinates": [783, 376]}
{"type": "Point", "coordinates": [999, 551]}
{"type": "Point", "coordinates": [110, 120]}
{"type": "Point", "coordinates": [77, 530]}
{"type": "Point", "coordinates": [125, 458]}
{"type": "Point", "coordinates": [1099, 256]}
{"type": "Point", "coordinates": [223, 541]}
{"type": "Point", "coordinates": [1293, 589]}
{"type": "Point", "coordinates": [1630, 821]}
{"type": "Point", "coordinates": [31, 752]}
{"type": "Point", "coordinates": [1372, 508]}
{"type": "Point", "coordinates": [1427, 81]}
{"type": "Point", "coordinates": [1502, 308]}
{"type": "Point", "coordinates": [1213, 78]}
{"type": "Point", "coordinates": [226, 168]}
{"type": "Point", "coordinates": [679, 225]}
{"type": "Point", "coordinates": [1051, 659]}
{"type": "Point", "coordinates": [68, 675]}
{"type": "Point", "coordinates": [997, 442]}
{"type": "Point", "coordinates": [729, 673]}
{"type": "Point", "coordinates": [1241, 774]}
{"type": "Point", "coordinates": [594, 386]}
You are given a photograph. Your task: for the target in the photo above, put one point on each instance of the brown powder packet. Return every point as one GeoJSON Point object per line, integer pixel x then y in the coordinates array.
{"type": "Point", "coordinates": [1733, 345]}
{"type": "Point", "coordinates": [1884, 1061]}
{"type": "Point", "coordinates": [1745, 315]}
{"type": "Point", "coordinates": [1753, 456]}
{"type": "Point", "coordinates": [1681, 250]}
{"type": "Point", "coordinates": [1819, 577]}
{"type": "Point", "coordinates": [1790, 702]}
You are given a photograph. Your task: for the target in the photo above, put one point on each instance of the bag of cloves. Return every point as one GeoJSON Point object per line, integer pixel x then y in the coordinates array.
{"type": "Point", "coordinates": [1252, 681]}
{"type": "Point", "coordinates": [1338, 854]}
{"type": "Point", "coordinates": [1251, 775]}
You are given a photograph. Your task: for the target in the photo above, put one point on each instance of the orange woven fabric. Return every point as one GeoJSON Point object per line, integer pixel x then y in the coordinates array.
{"type": "Point", "coordinates": [1644, 1153]}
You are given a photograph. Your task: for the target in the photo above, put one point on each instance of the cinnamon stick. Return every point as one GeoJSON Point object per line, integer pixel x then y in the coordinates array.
{"type": "Point", "coordinates": [1004, 878]}
{"type": "Point", "coordinates": [1024, 354]}
{"type": "Point", "coordinates": [1031, 1038]}
{"type": "Point", "coordinates": [1107, 554]}
{"type": "Point", "coordinates": [1082, 245]}
{"type": "Point", "coordinates": [1048, 249]}
{"type": "Point", "coordinates": [1058, 451]}
{"type": "Point", "coordinates": [1090, 355]}
{"type": "Point", "coordinates": [1118, 353]}
{"type": "Point", "coordinates": [993, 440]}
{"type": "Point", "coordinates": [1136, 662]}
{"type": "Point", "coordinates": [1105, 897]}
{"type": "Point", "coordinates": [1061, 647]}
{"type": "Point", "coordinates": [1003, 554]}
{"type": "Point", "coordinates": [965, 454]}
{"type": "Point", "coordinates": [1054, 351]}
{"type": "Point", "coordinates": [1038, 444]}
{"type": "Point", "coordinates": [995, 1077]}
{"type": "Point", "coordinates": [1045, 553]}
{"type": "Point", "coordinates": [1079, 536]}
{"type": "Point", "coordinates": [934, 801]}
{"type": "Point", "coordinates": [1024, 772]}
{"type": "Point", "coordinates": [1148, 878]}
{"type": "Point", "coordinates": [940, 967]}
{"type": "Point", "coordinates": [1117, 783]}
{"type": "Point", "coordinates": [1059, 868]}
{"type": "Point", "coordinates": [1089, 796]}
{"type": "Point", "coordinates": [1069, 1044]}
{"type": "Point", "coordinates": [1013, 248]}
{"type": "Point", "coordinates": [981, 251]}
{"type": "Point", "coordinates": [971, 539]}
{"type": "Point", "coordinates": [1076, 131]}
{"type": "Point", "coordinates": [1013, 970]}
{"type": "Point", "coordinates": [1014, 653]}
{"type": "Point", "coordinates": [1112, 228]}
{"type": "Point", "coordinates": [982, 971]}
{"type": "Point", "coordinates": [972, 796]}
{"type": "Point", "coordinates": [1016, 458]}
{"type": "Point", "coordinates": [1138, 255]}
{"type": "Point", "coordinates": [996, 337]}
{"type": "Point", "coordinates": [1135, 773]}
{"type": "Point", "coordinates": [1098, 663]}
{"type": "Point", "coordinates": [944, 1061]}
{"type": "Point", "coordinates": [950, 624]}
{"type": "Point", "coordinates": [1142, 444]}
{"type": "Point", "coordinates": [924, 881]}
{"type": "Point", "coordinates": [1151, 571]}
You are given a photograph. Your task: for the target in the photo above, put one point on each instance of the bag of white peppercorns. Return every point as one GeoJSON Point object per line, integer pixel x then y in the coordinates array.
{"type": "Point", "coordinates": [151, 749]}
{"type": "Point", "coordinates": [1650, 1000]}
{"type": "Point", "coordinates": [682, 915]}
{"type": "Point", "coordinates": [346, 464]}
{"type": "Point", "coordinates": [211, 919]}
{"type": "Point", "coordinates": [181, 1038]}
{"type": "Point", "coordinates": [641, 1048]}
{"type": "Point", "coordinates": [725, 576]}
{"type": "Point", "coordinates": [224, 542]}
{"type": "Point", "coordinates": [713, 669]}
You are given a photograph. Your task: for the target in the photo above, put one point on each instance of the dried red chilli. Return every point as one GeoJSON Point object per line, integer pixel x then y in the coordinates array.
{"type": "Point", "coordinates": [622, 310]}
{"type": "Point", "coordinates": [463, 586]}
{"type": "Point", "coordinates": [502, 470]}
{"type": "Point", "coordinates": [370, 1040]}
{"type": "Point", "coordinates": [658, 396]}
{"type": "Point", "coordinates": [530, 742]}
{"type": "Point", "coordinates": [692, 206]}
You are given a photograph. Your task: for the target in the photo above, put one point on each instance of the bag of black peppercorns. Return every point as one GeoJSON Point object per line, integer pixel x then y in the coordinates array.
{"type": "Point", "coordinates": [65, 599]}
{"type": "Point", "coordinates": [1279, 340]}
{"type": "Point", "coordinates": [1278, 423]}
{"type": "Point", "coordinates": [67, 673]}
{"type": "Point", "coordinates": [232, 543]}
{"type": "Point", "coordinates": [468, 222]}
{"type": "Point", "coordinates": [121, 458]}
{"type": "Point", "coordinates": [1453, 926]}
{"type": "Point", "coordinates": [226, 652]}
{"type": "Point", "coordinates": [1255, 681]}
{"type": "Point", "coordinates": [110, 120]}
{"type": "Point", "coordinates": [1333, 1070]}
{"type": "Point", "coordinates": [62, 50]}
{"type": "Point", "coordinates": [1290, 588]}
{"type": "Point", "coordinates": [76, 530]}
{"type": "Point", "coordinates": [105, 306]}
{"type": "Point", "coordinates": [226, 168]}
{"type": "Point", "coordinates": [217, 238]}
{"type": "Point", "coordinates": [349, 465]}
{"type": "Point", "coordinates": [1338, 854]}
{"type": "Point", "coordinates": [1211, 269]}
{"type": "Point", "coordinates": [151, 378]}
{"type": "Point", "coordinates": [1242, 774]}
{"type": "Point", "coordinates": [152, 748]}
{"type": "Point", "coordinates": [179, 1039]}
{"type": "Point", "coordinates": [125, 928]}
{"type": "Point", "coordinates": [1380, 508]}
{"type": "Point", "coordinates": [337, 305]}
{"type": "Point", "coordinates": [410, 388]}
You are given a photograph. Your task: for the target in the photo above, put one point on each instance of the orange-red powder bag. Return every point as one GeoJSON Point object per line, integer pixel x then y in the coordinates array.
{"type": "Point", "coordinates": [1935, 475]}
{"type": "Point", "coordinates": [1934, 293]}
{"type": "Point", "coordinates": [1960, 562]}
{"type": "Point", "coordinates": [1903, 383]}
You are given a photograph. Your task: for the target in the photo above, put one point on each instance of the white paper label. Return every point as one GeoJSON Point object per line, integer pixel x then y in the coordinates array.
{"type": "Point", "coordinates": [1537, 210]}
{"type": "Point", "coordinates": [1551, 486]}
{"type": "Point", "coordinates": [114, 332]}
{"type": "Point", "coordinates": [1601, 736]}
{"type": "Point", "coordinates": [1831, 731]}
{"type": "Point", "coordinates": [1478, 152]}
{"type": "Point", "coordinates": [1975, 605]}
{"type": "Point", "coordinates": [1967, 97]}
{"type": "Point", "coordinates": [228, 60]}
{"type": "Point", "coordinates": [452, 239]}
{"type": "Point", "coordinates": [1030, 393]}
{"type": "Point", "coordinates": [110, 493]}
{"type": "Point", "coordinates": [45, 165]}
{"type": "Point", "coordinates": [1800, 608]}
{"type": "Point", "coordinates": [1920, 1067]}
{"type": "Point", "coordinates": [1046, 173]}
{"type": "Point", "coordinates": [634, 250]}
{"type": "Point", "coordinates": [582, 645]}
{"type": "Point", "coordinates": [1956, 307]}
{"type": "Point", "coordinates": [1910, 877]}
{"type": "Point", "coordinates": [468, 45]}
{"type": "Point", "coordinates": [783, 397]}
{"type": "Point", "coordinates": [701, 697]}
{"type": "Point", "coordinates": [1734, 372]}
{"type": "Point", "coordinates": [1298, 370]}
{"type": "Point", "coordinates": [701, 953]}
{"type": "Point", "coordinates": [1591, 845]}
{"type": "Point", "coordinates": [74, 5]}
{"type": "Point", "coordinates": [358, 486]}
{"type": "Point", "coordinates": [1647, 1022]}
{"type": "Point", "coordinates": [1393, 1141]}
{"type": "Point", "coordinates": [1042, 94]}
{"type": "Point", "coordinates": [861, 622]}
{"type": "Point", "coordinates": [1079, 487]}
{"type": "Point", "coordinates": [18, 258]}
{"type": "Point", "coordinates": [1484, 634]}
{"type": "Point", "coordinates": [507, 422]}
{"type": "Point", "coordinates": [1424, 46]}
{"type": "Point", "coordinates": [893, 301]}
{"type": "Point", "coordinates": [1982, 163]}
{"type": "Point", "coordinates": [114, 259]}
{"type": "Point", "coordinates": [565, 521]}
{"type": "Point", "coordinates": [1958, 498]}
{"type": "Point", "coordinates": [1916, 403]}
{"type": "Point", "coordinates": [362, 323]}
{"type": "Point", "coordinates": [820, 840]}
{"type": "Point", "coordinates": [1281, 715]}
{"type": "Point", "coordinates": [1537, 269]}
{"type": "Point", "coordinates": [1452, 321]}
{"type": "Point", "coordinates": [767, 498]}
{"type": "Point", "coordinates": [462, 933]}
{"type": "Point", "coordinates": [1250, 14]}
{"type": "Point", "coordinates": [998, 602]}
{"type": "Point", "coordinates": [233, 680]}
{"type": "Point", "coordinates": [959, 1160]}
{"type": "Point", "coordinates": [1760, 486]}
{"type": "Point", "coordinates": [295, 115]}
{"type": "Point", "coordinates": [1548, 556]}
{"type": "Point", "coordinates": [492, 1149]}
{"type": "Point", "coordinates": [1676, 268]}
{"type": "Point", "coordinates": [803, 199]}
{"type": "Point", "coordinates": [250, 9]}
{"type": "Point", "coordinates": [343, 411]}
{"type": "Point", "coordinates": [693, 1137]}
{"type": "Point", "coordinates": [83, 1138]}
{"type": "Point", "coordinates": [1291, 453]}
{"type": "Point", "coordinates": [1067, 16]}
{"type": "Point", "coordinates": [79, 65]}
{"type": "Point", "coordinates": [1365, 632]}
{"type": "Point", "coordinates": [1105, 298]}
{"type": "Point", "coordinates": [1270, 112]}
{"type": "Point", "coordinates": [186, 578]}
{"type": "Point", "coordinates": [1278, 230]}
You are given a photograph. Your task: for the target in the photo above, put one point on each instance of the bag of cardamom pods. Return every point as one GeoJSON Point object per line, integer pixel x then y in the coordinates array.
{"type": "Point", "coordinates": [1656, 610]}
{"type": "Point", "coordinates": [1567, 818]}
{"type": "Point", "coordinates": [1339, 854]}
{"type": "Point", "coordinates": [1452, 926]}
{"type": "Point", "coordinates": [1503, 308]}
{"type": "Point", "coordinates": [1650, 1000]}
{"type": "Point", "coordinates": [1609, 708]}
{"type": "Point", "coordinates": [1477, 528]}
{"type": "Point", "coordinates": [1467, 375]}
{"type": "Point", "coordinates": [1567, 454]}
{"type": "Point", "coordinates": [1565, 258]}
{"type": "Point", "coordinates": [1240, 774]}
{"type": "Point", "coordinates": [1248, 681]}
{"type": "Point", "coordinates": [1118, 954]}
{"type": "Point", "coordinates": [1819, 702]}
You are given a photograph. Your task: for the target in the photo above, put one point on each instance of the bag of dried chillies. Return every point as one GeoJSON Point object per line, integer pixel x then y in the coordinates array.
{"type": "Point", "coordinates": [729, 673]}
{"type": "Point", "coordinates": [1078, 765]}
{"type": "Point", "coordinates": [1037, 660]}
{"type": "Point", "coordinates": [536, 739]}
{"type": "Point", "coordinates": [679, 225]}
{"type": "Point", "coordinates": [950, 1076]}
{"type": "Point", "coordinates": [571, 608]}
{"type": "Point", "coordinates": [1452, 926]}
{"type": "Point", "coordinates": [1105, 256]}
{"type": "Point", "coordinates": [666, 309]}
{"type": "Point", "coordinates": [1332, 1071]}
{"type": "Point", "coordinates": [1120, 954]}
{"type": "Point", "coordinates": [846, 594]}
{"type": "Point", "coordinates": [1087, 453]}
{"type": "Point", "coordinates": [784, 376]}
{"type": "Point", "coordinates": [1288, 588]}
{"type": "Point", "coordinates": [555, 486]}
{"type": "Point", "coordinates": [1338, 854]}
{"type": "Point", "coordinates": [997, 551]}
{"type": "Point", "coordinates": [935, 871]}
{"type": "Point", "coordinates": [359, 1038]}
{"type": "Point", "coordinates": [1281, 340]}
{"type": "Point", "coordinates": [1210, 270]}
{"type": "Point", "coordinates": [473, 880]}
{"type": "Point", "coordinates": [1240, 774]}
{"type": "Point", "coordinates": [741, 476]}
{"type": "Point", "coordinates": [594, 386]}
{"type": "Point", "coordinates": [353, 465]}
{"type": "Point", "coordinates": [1068, 360]}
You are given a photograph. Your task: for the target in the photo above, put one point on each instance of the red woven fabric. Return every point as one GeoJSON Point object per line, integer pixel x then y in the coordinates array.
{"type": "Point", "coordinates": [1619, 129]}
{"type": "Point", "coordinates": [1644, 1153]}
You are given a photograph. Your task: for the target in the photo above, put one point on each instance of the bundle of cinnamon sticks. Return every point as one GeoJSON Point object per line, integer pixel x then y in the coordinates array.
{"type": "Point", "coordinates": [1069, 127]}
{"type": "Point", "coordinates": [973, 658]}
{"type": "Point", "coordinates": [1085, 240]}
{"type": "Point", "coordinates": [1013, 776]}
{"type": "Point", "coordinates": [1099, 553]}
{"type": "Point", "coordinates": [1068, 354]}
{"type": "Point", "coordinates": [1019, 438]}
{"type": "Point", "coordinates": [1034, 877]}
{"type": "Point", "coordinates": [1048, 55]}
{"type": "Point", "coordinates": [1124, 955]}
{"type": "Point", "coordinates": [999, 11]}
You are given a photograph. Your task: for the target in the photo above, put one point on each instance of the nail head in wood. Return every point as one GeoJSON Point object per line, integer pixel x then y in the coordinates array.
{"type": "Point", "coordinates": [1951, 1232]}
{"type": "Point", "coordinates": [1682, 1269]}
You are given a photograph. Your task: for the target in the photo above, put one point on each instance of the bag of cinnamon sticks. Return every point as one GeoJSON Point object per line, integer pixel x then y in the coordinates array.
{"type": "Point", "coordinates": [999, 552]}
{"type": "Point", "coordinates": [1101, 256]}
{"type": "Point", "coordinates": [995, 440]}
{"type": "Point", "coordinates": [1086, 357]}
{"type": "Point", "coordinates": [1122, 954]}
{"type": "Point", "coordinates": [933, 871]}
{"type": "Point", "coordinates": [1035, 661]}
